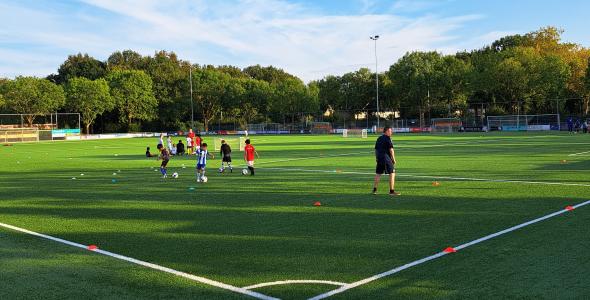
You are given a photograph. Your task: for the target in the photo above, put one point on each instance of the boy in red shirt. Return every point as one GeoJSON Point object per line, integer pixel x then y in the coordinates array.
{"type": "Point", "coordinates": [249, 152]}
{"type": "Point", "coordinates": [197, 142]}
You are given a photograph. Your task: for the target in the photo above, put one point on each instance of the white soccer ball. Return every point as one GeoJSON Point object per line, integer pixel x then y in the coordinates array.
{"type": "Point", "coordinates": [174, 175]}
{"type": "Point", "coordinates": [204, 178]}
{"type": "Point", "coordinates": [221, 170]}
{"type": "Point", "coordinates": [245, 172]}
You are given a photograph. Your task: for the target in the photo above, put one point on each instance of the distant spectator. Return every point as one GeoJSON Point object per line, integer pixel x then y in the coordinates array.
{"type": "Point", "coordinates": [577, 125]}
{"type": "Point", "coordinates": [570, 124]}
{"type": "Point", "coordinates": [173, 150]}
{"type": "Point", "coordinates": [180, 148]}
{"type": "Point", "coordinates": [169, 142]}
{"type": "Point", "coordinates": [585, 126]}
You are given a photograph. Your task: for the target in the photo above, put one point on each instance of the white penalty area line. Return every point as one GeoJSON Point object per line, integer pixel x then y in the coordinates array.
{"type": "Point", "coordinates": [434, 177]}
{"type": "Point", "coordinates": [443, 253]}
{"type": "Point", "coordinates": [147, 264]}
{"type": "Point", "coordinates": [285, 282]}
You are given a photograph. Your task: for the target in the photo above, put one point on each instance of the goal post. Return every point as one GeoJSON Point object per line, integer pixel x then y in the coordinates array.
{"type": "Point", "coordinates": [446, 125]}
{"type": "Point", "coordinates": [354, 133]}
{"type": "Point", "coordinates": [236, 143]}
{"type": "Point", "coordinates": [524, 122]}
{"type": "Point", "coordinates": [320, 128]}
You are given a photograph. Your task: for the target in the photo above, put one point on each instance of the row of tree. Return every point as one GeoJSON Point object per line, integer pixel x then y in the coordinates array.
{"type": "Point", "coordinates": [516, 74]}
{"type": "Point", "coordinates": [128, 91]}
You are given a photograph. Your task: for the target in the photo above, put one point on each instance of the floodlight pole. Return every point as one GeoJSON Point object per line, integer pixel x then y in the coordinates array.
{"type": "Point", "coordinates": [375, 38]}
{"type": "Point", "coordinates": [190, 75]}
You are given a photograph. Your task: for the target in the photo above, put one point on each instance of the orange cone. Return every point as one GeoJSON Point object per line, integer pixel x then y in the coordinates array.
{"type": "Point", "coordinates": [436, 183]}
{"type": "Point", "coordinates": [317, 203]}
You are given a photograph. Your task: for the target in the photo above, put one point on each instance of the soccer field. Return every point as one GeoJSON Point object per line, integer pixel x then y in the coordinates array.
{"type": "Point", "coordinates": [263, 233]}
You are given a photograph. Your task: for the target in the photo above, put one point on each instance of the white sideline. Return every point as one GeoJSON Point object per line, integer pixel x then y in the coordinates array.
{"type": "Point", "coordinates": [149, 265]}
{"type": "Point", "coordinates": [440, 254]}
{"type": "Point", "coordinates": [435, 177]}
{"type": "Point", "coordinates": [579, 153]}
{"type": "Point", "coordinates": [282, 282]}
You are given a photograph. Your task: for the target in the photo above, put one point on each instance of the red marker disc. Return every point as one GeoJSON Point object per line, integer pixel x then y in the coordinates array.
{"type": "Point", "coordinates": [450, 250]}
{"type": "Point", "coordinates": [569, 207]}
{"type": "Point", "coordinates": [92, 247]}
{"type": "Point", "coordinates": [317, 203]}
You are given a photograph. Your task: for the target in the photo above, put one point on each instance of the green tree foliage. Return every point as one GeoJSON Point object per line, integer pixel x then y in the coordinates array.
{"type": "Point", "coordinates": [126, 60]}
{"type": "Point", "coordinates": [90, 98]}
{"type": "Point", "coordinates": [169, 77]}
{"type": "Point", "coordinates": [255, 101]}
{"type": "Point", "coordinates": [33, 96]}
{"type": "Point", "coordinates": [414, 78]}
{"type": "Point", "coordinates": [292, 99]}
{"type": "Point", "coordinates": [80, 65]}
{"type": "Point", "coordinates": [132, 92]}
{"type": "Point", "coordinates": [212, 91]}
{"type": "Point", "coordinates": [3, 83]}
{"type": "Point", "coordinates": [269, 74]}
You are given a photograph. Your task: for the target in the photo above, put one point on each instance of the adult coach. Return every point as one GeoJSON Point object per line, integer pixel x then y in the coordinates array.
{"type": "Point", "coordinates": [385, 157]}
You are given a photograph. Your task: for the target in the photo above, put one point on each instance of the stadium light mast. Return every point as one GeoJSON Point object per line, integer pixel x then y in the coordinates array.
{"type": "Point", "coordinates": [375, 38]}
{"type": "Point", "coordinates": [190, 76]}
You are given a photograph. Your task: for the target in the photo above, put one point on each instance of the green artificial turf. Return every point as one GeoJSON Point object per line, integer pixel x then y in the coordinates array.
{"type": "Point", "coordinates": [244, 230]}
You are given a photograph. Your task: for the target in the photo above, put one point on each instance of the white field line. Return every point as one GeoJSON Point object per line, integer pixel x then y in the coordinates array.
{"type": "Point", "coordinates": [284, 282]}
{"type": "Point", "coordinates": [580, 153]}
{"type": "Point", "coordinates": [440, 254]}
{"type": "Point", "coordinates": [313, 157]}
{"type": "Point", "coordinates": [147, 264]}
{"type": "Point", "coordinates": [436, 177]}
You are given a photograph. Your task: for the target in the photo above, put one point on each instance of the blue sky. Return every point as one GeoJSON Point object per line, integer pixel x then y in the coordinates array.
{"type": "Point", "coordinates": [305, 37]}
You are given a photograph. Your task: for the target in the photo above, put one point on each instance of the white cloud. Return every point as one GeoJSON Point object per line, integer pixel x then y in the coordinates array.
{"type": "Point", "coordinates": [238, 32]}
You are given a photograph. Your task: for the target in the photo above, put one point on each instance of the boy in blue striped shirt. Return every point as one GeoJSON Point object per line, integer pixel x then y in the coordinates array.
{"type": "Point", "coordinates": [202, 154]}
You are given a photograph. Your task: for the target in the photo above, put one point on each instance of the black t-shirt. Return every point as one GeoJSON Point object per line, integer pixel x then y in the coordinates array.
{"type": "Point", "coordinates": [225, 150]}
{"type": "Point", "coordinates": [382, 147]}
{"type": "Point", "coordinates": [180, 147]}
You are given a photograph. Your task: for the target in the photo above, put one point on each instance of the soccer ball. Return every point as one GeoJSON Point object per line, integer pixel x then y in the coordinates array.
{"type": "Point", "coordinates": [245, 172]}
{"type": "Point", "coordinates": [175, 175]}
{"type": "Point", "coordinates": [221, 170]}
{"type": "Point", "coordinates": [204, 178]}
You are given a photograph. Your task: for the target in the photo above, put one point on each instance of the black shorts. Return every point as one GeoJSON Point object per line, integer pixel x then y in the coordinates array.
{"type": "Point", "coordinates": [164, 163]}
{"type": "Point", "coordinates": [226, 159]}
{"type": "Point", "coordinates": [384, 167]}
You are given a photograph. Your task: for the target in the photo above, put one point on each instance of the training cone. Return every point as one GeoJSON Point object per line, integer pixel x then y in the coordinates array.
{"type": "Point", "coordinates": [92, 247]}
{"type": "Point", "coordinates": [569, 207]}
{"type": "Point", "coordinates": [436, 183]}
{"type": "Point", "coordinates": [450, 250]}
{"type": "Point", "coordinates": [317, 203]}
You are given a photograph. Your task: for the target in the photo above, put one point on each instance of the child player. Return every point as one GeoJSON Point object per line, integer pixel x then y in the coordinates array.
{"type": "Point", "coordinates": [197, 140]}
{"type": "Point", "coordinates": [165, 157]}
{"type": "Point", "coordinates": [249, 152]}
{"type": "Point", "coordinates": [202, 154]}
{"type": "Point", "coordinates": [226, 156]}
